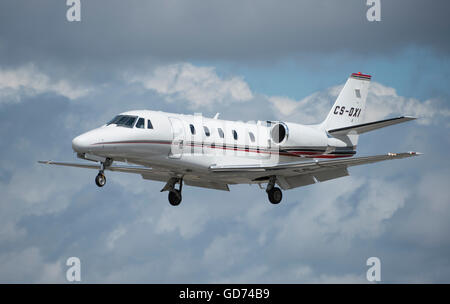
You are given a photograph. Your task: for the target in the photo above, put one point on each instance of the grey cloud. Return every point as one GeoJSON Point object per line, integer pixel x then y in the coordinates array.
{"type": "Point", "coordinates": [114, 32]}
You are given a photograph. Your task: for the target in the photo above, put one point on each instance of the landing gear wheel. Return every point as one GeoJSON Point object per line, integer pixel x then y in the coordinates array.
{"type": "Point", "coordinates": [175, 197]}
{"type": "Point", "coordinates": [100, 180]}
{"type": "Point", "coordinates": [275, 195]}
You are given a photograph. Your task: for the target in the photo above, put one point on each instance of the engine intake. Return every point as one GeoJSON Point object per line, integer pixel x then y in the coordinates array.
{"type": "Point", "coordinates": [279, 133]}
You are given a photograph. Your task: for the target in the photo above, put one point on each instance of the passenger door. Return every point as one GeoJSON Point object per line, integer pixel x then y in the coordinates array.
{"type": "Point", "coordinates": [176, 147]}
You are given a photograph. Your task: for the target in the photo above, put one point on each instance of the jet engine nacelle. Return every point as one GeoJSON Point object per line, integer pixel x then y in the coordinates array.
{"type": "Point", "coordinates": [286, 135]}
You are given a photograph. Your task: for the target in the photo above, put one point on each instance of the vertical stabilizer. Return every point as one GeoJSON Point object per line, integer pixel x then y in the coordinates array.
{"type": "Point", "coordinates": [350, 105]}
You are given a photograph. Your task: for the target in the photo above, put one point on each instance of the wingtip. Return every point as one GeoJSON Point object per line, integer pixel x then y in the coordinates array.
{"type": "Point", "coordinates": [415, 153]}
{"type": "Point", "coordinates": [46, 162]}
{"type": "Point", "coordinates": [411, 153]}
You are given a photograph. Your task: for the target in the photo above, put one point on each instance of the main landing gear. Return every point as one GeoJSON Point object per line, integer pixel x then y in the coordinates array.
{"type": "Point", "coordinates": [100, 179]}
{"type": "Point", "coordinates": [174, 194]}
{"type": "Point", "coordinates": [175, 197]}
{"type": "Point", "coordinates": [274, 193]}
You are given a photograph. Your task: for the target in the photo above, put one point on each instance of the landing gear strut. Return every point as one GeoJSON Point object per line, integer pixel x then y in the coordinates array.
{"type": "Point", "coordinates": [274, 193]}
{"type": "Point", "coordinates": [174, 194]}
{"type": "Point", "coordinates": [100, 179]}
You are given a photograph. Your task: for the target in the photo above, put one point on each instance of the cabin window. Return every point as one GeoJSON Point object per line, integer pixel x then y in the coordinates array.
{"type": "Point", "coordinates": [149, 124]}
{"type": "Point", "coordinates": [235, 136]}
{"type": "Point", "coordinates": [252, 137]}
{"type": "Point", "coordinates": [140, 123]}
{"type": "Point", "coordinates": [192, 129]}
{"type": "Point", "coordinates": [220, 132]}
{"type": "Point", "coordinates": [207, 133]}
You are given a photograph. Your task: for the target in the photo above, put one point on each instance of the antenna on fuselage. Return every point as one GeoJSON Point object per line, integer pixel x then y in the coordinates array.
{"type": "Point", "coordinates": [217, 115]}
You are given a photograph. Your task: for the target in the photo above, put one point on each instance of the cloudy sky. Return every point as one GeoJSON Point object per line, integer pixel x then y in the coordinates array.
{"type": "Point", "coordinates": [249, 60]}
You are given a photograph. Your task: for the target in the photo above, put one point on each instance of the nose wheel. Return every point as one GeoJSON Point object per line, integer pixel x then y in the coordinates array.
{"type": "Point", "coordinates": [100, 179]}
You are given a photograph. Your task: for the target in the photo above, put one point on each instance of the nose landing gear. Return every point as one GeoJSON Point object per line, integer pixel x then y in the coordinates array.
{"type": "Point", "coordinates": [100, 179]}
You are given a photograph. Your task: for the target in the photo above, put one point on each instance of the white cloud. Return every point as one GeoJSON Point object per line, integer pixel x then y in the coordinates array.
{"type": "Point", "coordinates": [380, 201]}
{"type": "Point", "coordinates": [294, 274]}
{"type": "Point", "coordinates": [28, 81]}
{"type": "Point", "coordinates": [188, 223]}
{"type": "Point", "coordinates": [225, 251]}
{"type": "Point", "coordinates": [343, 279]}
{"type": "Point", "coordinates": [114, 236]}
{"type": "Point", "coordinates": [203, 87]}
{"type": "Point", "coordinates": [335, 213]}
{"type": "Point", "coordinates": [38, 190]}
{"type": "Point", "coordinates": [285, 105]}
{"type": "Point", "coordinates": [382, 102]}
{"type": "Point", "coordinates": [28, 265]}
{"type": "Point", "coordinates": [199, 86]}
{"type": "Point", "coordinates": [311, 109]}
{"type": "Point", "coordinates": [428, 222]}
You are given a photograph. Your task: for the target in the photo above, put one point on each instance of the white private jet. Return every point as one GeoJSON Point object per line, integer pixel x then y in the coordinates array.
{"type": "Point", "coordinates": [214, 153]}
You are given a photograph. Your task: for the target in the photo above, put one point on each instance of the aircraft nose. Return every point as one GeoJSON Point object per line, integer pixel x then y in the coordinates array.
{"type": "Point", "coordinates": [80, 143]}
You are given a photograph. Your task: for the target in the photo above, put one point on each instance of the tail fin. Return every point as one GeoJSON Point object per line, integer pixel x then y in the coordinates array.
{"type": "Point", "coordinates": [350, 105]}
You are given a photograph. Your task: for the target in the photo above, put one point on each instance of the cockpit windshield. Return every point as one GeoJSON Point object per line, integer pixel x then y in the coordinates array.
{"type": "Point", "coordinates": [123, 120]}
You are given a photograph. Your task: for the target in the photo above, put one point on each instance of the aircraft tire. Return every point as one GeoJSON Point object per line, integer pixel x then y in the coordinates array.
{"type": "Point", "coordinates": [275, 195]}
{"type": "Point", "coordinates": [100, 180]}
{"type": "Point", "coordinates": [175, 197]}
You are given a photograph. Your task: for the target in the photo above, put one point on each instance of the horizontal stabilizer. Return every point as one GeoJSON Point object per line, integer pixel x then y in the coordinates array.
{"type": "Point", "coordinates": [370, 126]}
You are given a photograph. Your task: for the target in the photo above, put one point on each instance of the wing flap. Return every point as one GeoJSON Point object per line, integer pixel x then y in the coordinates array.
{"type": "Point", "coordinates": [298, 174]}
{"type": "Point", "coordinates": [322, 176]}
{"type": "Point", "coordinates": [290, 182]}
{"type": "Point", "coordinates": [206, 184]}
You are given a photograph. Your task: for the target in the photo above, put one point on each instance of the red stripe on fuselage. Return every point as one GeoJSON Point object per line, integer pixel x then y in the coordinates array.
{"type": "Point", "coordinates": [307, 154]}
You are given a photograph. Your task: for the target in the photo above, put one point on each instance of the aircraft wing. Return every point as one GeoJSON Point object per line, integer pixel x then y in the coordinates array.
{"type": "Point", "coordinates": [296, 174]}
{"type": "Point", "coordinates": [289, 175]}
{"type": "Point", "coordinates": [128, 169]}
{"type": "Point", "coordinates": [147, 173]}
